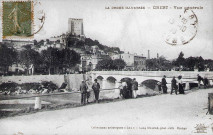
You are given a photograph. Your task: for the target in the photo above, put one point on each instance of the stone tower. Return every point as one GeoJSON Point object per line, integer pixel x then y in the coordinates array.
{"type": "Point", "coordinates": [75, 26]}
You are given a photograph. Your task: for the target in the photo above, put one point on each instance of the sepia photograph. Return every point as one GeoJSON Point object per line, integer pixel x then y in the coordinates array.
{"type": "Point", "coordinates": [106, 67]}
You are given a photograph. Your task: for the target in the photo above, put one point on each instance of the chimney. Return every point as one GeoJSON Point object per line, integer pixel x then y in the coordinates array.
{"type": "Point", "coordinates": [148, 55]}
{"type": "Point", "coordinates": [157, 56]}
{"type": "Point", "coordinates": [142, 55]}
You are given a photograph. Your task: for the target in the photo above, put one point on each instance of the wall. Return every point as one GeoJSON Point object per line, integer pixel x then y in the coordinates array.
{"type": "Point", "coordinates": [74, 79]}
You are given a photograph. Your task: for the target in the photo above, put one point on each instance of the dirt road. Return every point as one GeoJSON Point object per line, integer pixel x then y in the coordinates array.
{"type": "Point", "coordinates": [162, 114]}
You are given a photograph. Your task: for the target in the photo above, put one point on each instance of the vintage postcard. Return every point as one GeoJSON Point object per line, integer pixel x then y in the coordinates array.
{"type": "Point", "coordinates": [110, 67]}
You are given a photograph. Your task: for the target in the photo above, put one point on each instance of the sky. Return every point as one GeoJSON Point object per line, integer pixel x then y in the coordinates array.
{"type": "Point", "coordinates": [133, 30]}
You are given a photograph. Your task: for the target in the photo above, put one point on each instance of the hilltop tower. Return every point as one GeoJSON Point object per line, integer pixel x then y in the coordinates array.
{"type": "Point", "coordinates": [75, 26]}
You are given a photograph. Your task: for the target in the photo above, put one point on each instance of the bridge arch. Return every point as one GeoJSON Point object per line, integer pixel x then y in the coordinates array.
{"type": "Point", "coordinates": [126, 79]}
{"type": "Point", "coordinates": [111, 79]}
{"type": "Point", "coordinates": [150, 83]}
{"type": "Point", "coordinates": [100, 77]}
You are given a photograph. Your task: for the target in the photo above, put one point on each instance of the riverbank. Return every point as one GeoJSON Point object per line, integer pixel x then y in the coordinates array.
{"type": "Point", "coordinates": [16, 107]}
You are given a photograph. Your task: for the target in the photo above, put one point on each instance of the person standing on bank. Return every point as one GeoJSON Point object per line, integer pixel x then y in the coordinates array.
{"type": "Point", "coordinates": [174, 85]}
{"type": "Point", "coordinates": [134, 88]}
{"type": "Point", "coordinates": [96, 89]}
{"type": "Point", "coordinates": [180, 85]}
{"type": "Point", "coordinates": [159, 86]}
{"type": "Point", "coordinates": [124, 90]}
{"type": "Point", "coordinates": [199, 79]}
{"type": "Point", "coordinates": [83, 89]}
{"type": "Point", "coordinates": [205, 82]}
{"type": "Point", "coordinates": [163, 84]}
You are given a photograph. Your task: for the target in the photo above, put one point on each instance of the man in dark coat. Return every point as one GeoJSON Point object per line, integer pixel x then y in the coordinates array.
{"type": "Point", "coordinates": [205, 82]}
{"type": "Point", "coordinates": [174, 85]}
{"type": "Point", "coordinates": [96, 89]}
{"type": "Point", "coordinates": [83, 89]}
{"type": "Point", "coordinates": [163, 84]}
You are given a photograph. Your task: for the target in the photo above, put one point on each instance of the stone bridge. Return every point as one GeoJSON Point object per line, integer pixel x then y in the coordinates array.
{"type": "Point", "coordinates": [141, 76]}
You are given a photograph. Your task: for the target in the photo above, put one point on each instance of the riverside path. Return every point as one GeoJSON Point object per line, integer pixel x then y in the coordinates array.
{"type": "Point", "coordinates": [161, 114]}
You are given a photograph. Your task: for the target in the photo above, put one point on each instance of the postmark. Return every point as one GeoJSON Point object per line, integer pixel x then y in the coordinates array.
{"type": "Point", "coordinates": [17, 19]}
{"type": "Point", "coordinates": [39, 17]}
{"type": "Point", "coordinates": [182, 29]}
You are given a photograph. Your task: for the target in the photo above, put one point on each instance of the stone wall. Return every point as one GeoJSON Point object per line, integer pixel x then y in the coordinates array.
{"type": "Point", "coordinates": [74, 79]}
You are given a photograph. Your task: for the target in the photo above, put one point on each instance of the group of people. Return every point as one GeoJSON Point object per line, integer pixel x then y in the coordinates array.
{"type": "Point", "coordinates": [177, 85]}
{"type": "Point", "coordinates": [128, 89]}
{"type": "Point", "coordinates": [85, 93]}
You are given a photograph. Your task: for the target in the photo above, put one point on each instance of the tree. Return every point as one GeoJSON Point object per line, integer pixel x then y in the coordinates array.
{"type": "Point", "coordinates": [151, 64]}
{"type": "Point", "coordinates": [119, 64]}
{"type": "Point", "coordinates": [28, 57]}
{"type": "Point", "coordinates": [104, 64]}
{"type": "Point", "coordinates": [7, 57]}
{"type": "Point", "coordinates": [192, 62]}
{"type": "Point", "coordinates": [180, 60]}
{"type": "Point", "coordinates": [159, 64]}
{"type": "Point", "coordinates": [50, 58]}
{"type": "Point", "coordinates": [71, 42]}
{"type": "Point", "coordinates": [201, 65]}
{"type": "Point", "coordinates": [80, 44]}
{"type": "Point", "coordinates": [69, 58]}
{"type": "Point", "coordinates": [55, 59]}
{"type": "Point", "coordinates": [164, 64]}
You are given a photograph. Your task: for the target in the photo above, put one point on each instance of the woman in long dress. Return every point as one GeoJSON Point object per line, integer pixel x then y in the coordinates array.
{"type": "Point", "coordinates": [180, 85]}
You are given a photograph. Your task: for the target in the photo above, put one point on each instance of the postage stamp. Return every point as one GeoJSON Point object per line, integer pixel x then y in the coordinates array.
{"type": "Point", "coordinates": [183, 29]}
{"type": "Point", "coordinates": [17, 19]}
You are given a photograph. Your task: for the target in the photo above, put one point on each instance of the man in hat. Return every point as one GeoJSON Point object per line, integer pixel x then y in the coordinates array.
{"type": "Point", "coordinates": [163, 84]}
{"type": "Point", "coordinates": [96, 89]}
{"type": "Point", "coordinates": [83, 89]}
{"type": "Point", "coordinates": [134, 88]}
